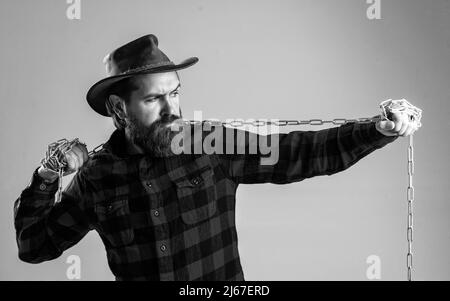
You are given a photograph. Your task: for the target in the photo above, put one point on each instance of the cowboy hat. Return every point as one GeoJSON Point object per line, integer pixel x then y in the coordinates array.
{"type": "Point", "coordinates": [141, 56]}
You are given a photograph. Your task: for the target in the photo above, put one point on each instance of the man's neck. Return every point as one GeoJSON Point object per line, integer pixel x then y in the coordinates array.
{"type": "Point", "coordinates": [131, 148]}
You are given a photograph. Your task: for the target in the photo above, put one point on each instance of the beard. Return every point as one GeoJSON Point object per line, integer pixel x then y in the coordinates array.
{"type": "Point", "coordinates": [154, 139]}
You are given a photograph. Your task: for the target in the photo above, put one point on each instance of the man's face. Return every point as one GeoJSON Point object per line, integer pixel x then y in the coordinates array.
{"type": "Point", "coordinates": [156, 95]}
{"type": "Point", "coordinates": [152, 107]}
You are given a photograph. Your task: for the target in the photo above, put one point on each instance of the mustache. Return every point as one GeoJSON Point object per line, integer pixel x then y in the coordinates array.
{"type": "Point", "coordinates": [165, 119]}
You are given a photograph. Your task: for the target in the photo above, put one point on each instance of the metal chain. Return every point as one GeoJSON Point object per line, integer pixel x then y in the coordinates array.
{"type": "Point", "coordinates": [337, 121]}
{"type": "Point", "coordinates": [261, 122]}
{"type": "Point", "coordinates": [410, 199]}
{"type": "Point", "coordinates": [54, 160]}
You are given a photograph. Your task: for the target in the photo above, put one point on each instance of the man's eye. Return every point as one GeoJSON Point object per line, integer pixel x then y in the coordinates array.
{"type": "Point", "coordinates": [175, 93]}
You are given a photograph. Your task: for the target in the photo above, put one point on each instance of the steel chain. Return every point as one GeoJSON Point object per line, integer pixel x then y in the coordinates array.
{"type": "Point", "coordinates": [410, 199]}
{"type": "Point", "coordinates": [54, 157]}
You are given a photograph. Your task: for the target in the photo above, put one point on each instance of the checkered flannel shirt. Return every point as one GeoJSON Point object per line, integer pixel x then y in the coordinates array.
{"type": "Point", "coordinates": [173, 218]}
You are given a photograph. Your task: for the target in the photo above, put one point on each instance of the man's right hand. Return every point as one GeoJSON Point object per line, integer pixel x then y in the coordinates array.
{"type": "Point", "coordinates": [74, 158]}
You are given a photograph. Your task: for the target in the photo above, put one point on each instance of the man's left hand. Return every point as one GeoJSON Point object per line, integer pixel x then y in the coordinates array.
{"type": "Point", "coordinates": [400, 126]}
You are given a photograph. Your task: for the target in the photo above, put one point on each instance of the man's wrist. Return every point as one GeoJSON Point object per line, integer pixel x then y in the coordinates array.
{"type": "Point", "coordinates": [48, 175]}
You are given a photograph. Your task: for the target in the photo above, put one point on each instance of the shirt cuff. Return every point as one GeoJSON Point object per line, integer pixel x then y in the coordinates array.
{"type": "Point", "coordinates": [38, 184]}
{"type": "Point", "coordinates": [372, 136]}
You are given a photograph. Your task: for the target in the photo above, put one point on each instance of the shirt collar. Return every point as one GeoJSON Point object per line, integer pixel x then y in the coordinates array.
{"type": "Point", "coordinates": [117, 144]}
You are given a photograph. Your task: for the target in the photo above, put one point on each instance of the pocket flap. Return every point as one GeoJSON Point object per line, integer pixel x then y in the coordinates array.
{"type": "Point", "coordinates": [195, 179]}
{"type": "Point", "coordinates": [112, 207]}
{"type": "Point", "coordinates": [197, 195]}
{"type": "Point", "coordinates": [114, 222]}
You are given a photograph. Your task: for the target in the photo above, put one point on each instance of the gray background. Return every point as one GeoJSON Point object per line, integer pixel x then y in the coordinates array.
{"type": "Point", "coordinates": [258, 59]}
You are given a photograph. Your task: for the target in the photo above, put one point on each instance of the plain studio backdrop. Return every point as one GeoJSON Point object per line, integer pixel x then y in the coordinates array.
{"type": "Point", "coordinates": [258, 59]}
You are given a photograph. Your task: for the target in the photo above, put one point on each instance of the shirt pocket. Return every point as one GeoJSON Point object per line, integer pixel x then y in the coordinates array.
{"type": "Point", "coordinates": [197, 196]}
{"type": "Point", "coordinates": [114, 221]}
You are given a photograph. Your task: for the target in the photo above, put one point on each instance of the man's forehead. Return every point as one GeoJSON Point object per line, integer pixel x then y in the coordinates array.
{"type": "Point", "coordinates": [157, 83]}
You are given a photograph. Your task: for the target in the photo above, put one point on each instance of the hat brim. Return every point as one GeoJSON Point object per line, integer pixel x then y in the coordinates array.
{"type": "Point", "coordinates": [96, 96]}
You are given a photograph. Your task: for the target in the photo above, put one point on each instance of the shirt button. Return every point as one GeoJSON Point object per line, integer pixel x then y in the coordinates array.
{"type": "Point", "coordinates": [163, 247]}
{"type": "Point", "coordinates": [149, 185]}
{"type": "Point", "coordinates": [109, 208]}
{"type": "Point", "coordinates": [42, 186]}
{"type": "Point", "coordinates": [156, 213]}
{"type": "Point", "coordinates": [195, 181]}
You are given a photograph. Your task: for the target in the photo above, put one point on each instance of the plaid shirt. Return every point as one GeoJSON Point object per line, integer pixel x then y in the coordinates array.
{"type": "Point", "coordinates": [173, 218]}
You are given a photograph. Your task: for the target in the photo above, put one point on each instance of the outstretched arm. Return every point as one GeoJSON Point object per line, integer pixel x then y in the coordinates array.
{"type": "Point", "coordinates": [305, 154]}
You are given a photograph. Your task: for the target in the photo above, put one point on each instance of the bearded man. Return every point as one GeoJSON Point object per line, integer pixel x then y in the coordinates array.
{"type": "Point", "coordinates": [163, 216]}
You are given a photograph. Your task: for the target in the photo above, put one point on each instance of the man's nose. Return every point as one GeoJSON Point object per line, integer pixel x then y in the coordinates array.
{"type": "Point", "coordinates": [169, 106]}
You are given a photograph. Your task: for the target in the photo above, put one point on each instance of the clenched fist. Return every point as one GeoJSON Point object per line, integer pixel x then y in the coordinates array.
{"type": "Point", "coordinates": [74, 158]}
{"type": "Point", "coordinates": [401, 125]}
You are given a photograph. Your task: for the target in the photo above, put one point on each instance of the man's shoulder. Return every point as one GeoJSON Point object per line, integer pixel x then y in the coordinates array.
{"type": "Point", "coordinates": [99, 160]}
{"type": "Point", "coordinates": [104, 153]}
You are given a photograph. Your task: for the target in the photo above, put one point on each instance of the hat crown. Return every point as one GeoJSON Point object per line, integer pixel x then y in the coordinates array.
{"type": "Point", "coordinates": [135, 55]}
{"type": "Point", "coordinates": [141, 56]}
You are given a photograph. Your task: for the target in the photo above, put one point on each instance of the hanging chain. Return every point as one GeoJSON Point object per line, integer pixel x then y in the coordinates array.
{"type": "Point", "coordinates": [55, 157]}
{"type": "Point", "coordinates": [410, 199]}
{"type": "Point", "coordinates": [415, 114]}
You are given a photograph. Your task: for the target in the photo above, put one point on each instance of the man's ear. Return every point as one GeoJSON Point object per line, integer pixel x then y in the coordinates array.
{"type": "Point", "coordinates": [117, 105]}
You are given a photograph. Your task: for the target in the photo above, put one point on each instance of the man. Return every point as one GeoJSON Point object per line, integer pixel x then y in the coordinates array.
{"type": "Point", "coordinates": [163, 216]}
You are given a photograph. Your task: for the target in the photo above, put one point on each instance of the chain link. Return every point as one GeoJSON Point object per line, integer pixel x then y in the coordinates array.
{"type": "Point", "coordinates": [262, 122]}
{"type": "Point", "coordinates": [410, 199]}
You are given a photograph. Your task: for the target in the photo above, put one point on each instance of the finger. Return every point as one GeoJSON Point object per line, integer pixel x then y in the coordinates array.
{"type": "Point", "coordinates": [386, 125]}
{"type": "Point", "coordinates": [78, 157]}
{"type": "Point", "coordinates": [397, 116]}
{"type": "Point", "coordinates": [402, 131]}
{"type": "Point", "coordinates": [409, 131]}
{"type": "Point", "coordinates": [398, 120]}
{"type": "Point", "coordinates": [82, 152]}
{"type": "Point", "coordinates": [79, 154]}
{"type": "Point", "coordinates": [71, 161]}
{"type": "Point", "coordinates": [71, 164]}
{"type": "Point", "coordinates": [85, 152]}
{"type": "Point", "coordinates": [81, 147]}
{"type": "Point", "coordinates": [398, 126]}
{"type": "Point", "coordinates": [390, 134]}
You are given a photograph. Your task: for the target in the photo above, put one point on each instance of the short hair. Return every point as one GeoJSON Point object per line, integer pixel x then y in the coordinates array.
{"type": "Point", "coordinates": [123, 89]}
